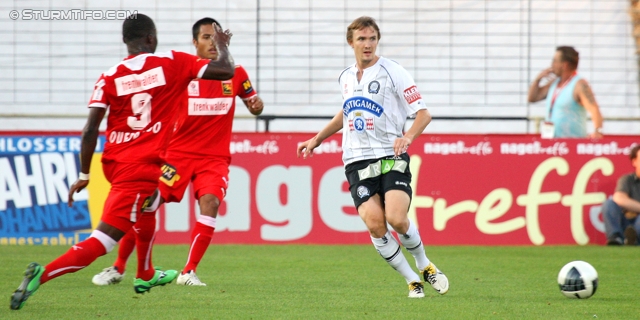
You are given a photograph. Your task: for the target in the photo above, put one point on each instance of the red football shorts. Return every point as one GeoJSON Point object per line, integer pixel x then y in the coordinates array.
{"type": "Point", "coordinates": [209, 176]}
{"type": "Point", "coordinates": [131, 183]}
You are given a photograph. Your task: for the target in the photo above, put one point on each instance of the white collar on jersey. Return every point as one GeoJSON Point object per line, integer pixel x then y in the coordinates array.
{"type": "Point", "coordinates": [136, 63]}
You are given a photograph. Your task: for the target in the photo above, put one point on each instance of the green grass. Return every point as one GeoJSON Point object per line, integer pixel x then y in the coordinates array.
{"type": "Point", "coordinates": [334, 282]}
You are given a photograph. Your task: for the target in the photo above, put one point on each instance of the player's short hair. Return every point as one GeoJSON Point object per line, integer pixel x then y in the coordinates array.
{"type": "Point", "coordinates": [196, 26]}
{"type": "Point", "coordinates": [634, 152]}
{"type": "Point", "coordinates": [361, 23]}
{"type": "Point", "coordinates": [569, 55]}
{"type": "Point", "coordinates": [137, 26]}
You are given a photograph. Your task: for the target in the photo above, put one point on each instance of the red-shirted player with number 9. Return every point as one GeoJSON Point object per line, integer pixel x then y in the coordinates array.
{"type": "Point", "coordinates": [198, 153]}
{"type": "Point", "coordinates": [143, 94]}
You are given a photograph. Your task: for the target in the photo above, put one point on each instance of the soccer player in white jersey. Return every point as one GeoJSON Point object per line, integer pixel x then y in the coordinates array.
{"type": "Point", "coordinates": [378, 96]}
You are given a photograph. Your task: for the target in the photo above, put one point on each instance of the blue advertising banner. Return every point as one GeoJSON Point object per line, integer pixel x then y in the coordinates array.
{"type": "Point", "coordinates": [35, 175]}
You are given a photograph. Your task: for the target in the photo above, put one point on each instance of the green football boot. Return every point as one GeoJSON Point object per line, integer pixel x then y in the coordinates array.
{"type": "Point", "coordinates": [160, 278]}
{"type": "Point", "coordinates": [28, 287]}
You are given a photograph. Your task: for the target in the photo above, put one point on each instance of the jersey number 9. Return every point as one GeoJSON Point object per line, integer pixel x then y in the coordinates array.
{"type": "Point", "coordinates": [141, 107]}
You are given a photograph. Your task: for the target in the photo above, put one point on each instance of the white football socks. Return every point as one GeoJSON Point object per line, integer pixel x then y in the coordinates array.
{"type": "Point", "coordinates": [390, 250]}
{"type": "Point", "coordinates": [412, 241]}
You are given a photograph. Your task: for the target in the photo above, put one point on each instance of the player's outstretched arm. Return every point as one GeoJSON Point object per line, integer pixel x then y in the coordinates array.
{"type": "Point", "coordinates": [423, 118]}
{"type": "Point", "coordinates": [306, 148]}
{"type": "Point", "coordinates": [223, 68]}
{"type": "Point", "coordinates": [89, 140]}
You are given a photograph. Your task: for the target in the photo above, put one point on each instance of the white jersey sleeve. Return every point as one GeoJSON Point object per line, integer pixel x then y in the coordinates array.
{"type": "Point", "coordinates": [407, 89]}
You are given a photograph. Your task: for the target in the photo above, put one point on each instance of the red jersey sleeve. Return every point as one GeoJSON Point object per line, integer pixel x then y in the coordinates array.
{"type": "Point", "coordinates": [98, 98]}
{"type": "Point", "coordinates": [193, 66]}
{"type": "Point", "coordinates": [245, 89]}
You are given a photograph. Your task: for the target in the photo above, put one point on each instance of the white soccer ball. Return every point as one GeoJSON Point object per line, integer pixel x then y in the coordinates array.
{"type": "Point", "coordinates": [578, 279]}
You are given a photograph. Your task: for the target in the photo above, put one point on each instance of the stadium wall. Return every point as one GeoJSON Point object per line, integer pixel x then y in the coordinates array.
{"type": "Point", "coordinates": [469, 58]}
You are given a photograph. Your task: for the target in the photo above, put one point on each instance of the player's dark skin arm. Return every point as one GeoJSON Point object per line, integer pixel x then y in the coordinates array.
{"type": "Point", "coordinates": [224, 67]}
{"type": "Point", "coordinates": [89, 138]}
{"type": "Point", "coordinates": [89, 141]}
{"type": "Point", "coordinates": [221, 69]}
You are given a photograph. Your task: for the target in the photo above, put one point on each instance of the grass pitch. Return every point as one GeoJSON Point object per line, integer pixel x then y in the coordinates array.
{"type": "Point", "coordinates": [334, 282]}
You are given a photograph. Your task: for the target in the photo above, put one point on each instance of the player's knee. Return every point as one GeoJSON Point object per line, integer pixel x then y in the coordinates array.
{"type": "Point", "coordinates": [377, 225]}
{"type": "Point", "coordinates": [399, 222]}
{"type": "Point", "coordinates": [401, 228]}
{"type": "Point", "coordinates": [378, 231]}
{"type": "Point", "coordinates": [209, 205]}
{"type": "Point", "coordinates": [106, 240]}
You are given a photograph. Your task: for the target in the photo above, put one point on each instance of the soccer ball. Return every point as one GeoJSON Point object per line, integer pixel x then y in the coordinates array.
{"type": "Point", "coordinates": [578, 279]}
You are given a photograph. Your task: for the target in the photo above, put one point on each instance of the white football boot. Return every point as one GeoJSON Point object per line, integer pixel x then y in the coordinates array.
{"type": "Point", "coordinates": [108, 276]}
{"type": "Point", "coordinates": [416, 290]}
{"type": "Point", "coordinates": [436, 278]}
{"type": "Point", "coordinates": [189, 279]}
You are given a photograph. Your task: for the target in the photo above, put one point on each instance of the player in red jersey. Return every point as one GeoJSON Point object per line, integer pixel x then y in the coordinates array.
{"type": "Point", "coordinates": [198, 153]}
{"type": "Point", "coordinates": [143, 94]}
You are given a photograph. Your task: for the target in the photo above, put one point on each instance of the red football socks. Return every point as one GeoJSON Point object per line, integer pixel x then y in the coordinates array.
{"type": "Point", "coordinates": [78, 257]}
{"type": "Point", "coordinates": [145, 229]}
{"type": "Point", "coordinates": [127, 244]}
{"type": "Point", "coordinates": [200, 240]}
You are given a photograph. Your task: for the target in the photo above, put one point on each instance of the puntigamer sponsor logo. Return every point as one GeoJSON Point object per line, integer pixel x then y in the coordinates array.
{"type": "Point", "coordinates": [362, 103]}
{"type": "Point", "coordinates": [445, 148]}
{"type": "Point", "coordinates": [557, 149]}
{"type": "Point", "coordinates": [599, 149]}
